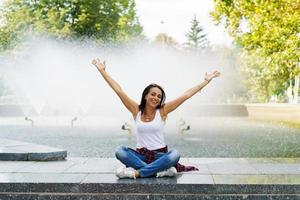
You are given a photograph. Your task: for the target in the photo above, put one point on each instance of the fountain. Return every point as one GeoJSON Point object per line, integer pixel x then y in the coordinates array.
{"type": "Point", "coordinates": [73, 120]}
{"type": "Point", "coordinates": [128, 128]}
{"type": "Point", "coordinates": [55, 95]}
{"type": "Point", "coordinates": [183, 127]}
{"type": "Point", "coordinates": [70, 86]}
{"type": "Point", "coordinates": [30, 120]}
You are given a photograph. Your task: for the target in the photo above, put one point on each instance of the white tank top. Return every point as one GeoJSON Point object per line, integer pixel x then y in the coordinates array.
{"type": "Point", "coordinates": [150, 134]}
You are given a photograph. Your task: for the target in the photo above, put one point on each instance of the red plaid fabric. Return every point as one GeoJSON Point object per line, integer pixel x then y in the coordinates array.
{"type": "Point", "coordinates": [150, 157]}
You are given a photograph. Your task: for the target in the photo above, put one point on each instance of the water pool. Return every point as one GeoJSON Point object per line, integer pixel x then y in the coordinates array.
{"type": "Point", "coordinates": [208, 137]}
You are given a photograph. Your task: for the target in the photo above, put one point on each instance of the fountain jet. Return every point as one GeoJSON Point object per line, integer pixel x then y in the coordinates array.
{"type": "Point", "coordinates": [73, 120]}
{"type": "Point", "coordinates": [30, 120]}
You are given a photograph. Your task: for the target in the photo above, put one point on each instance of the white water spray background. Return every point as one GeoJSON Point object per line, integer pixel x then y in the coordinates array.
{"type": "Point", "coordinates": [57, 77]}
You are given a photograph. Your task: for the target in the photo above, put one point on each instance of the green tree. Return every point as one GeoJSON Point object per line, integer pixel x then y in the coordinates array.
{"type": "Point", "coordinates": [104, 21]}
{"type": "Point", "coordinates": [196, 38]}
{"type": "Point", "coordinates": [268, 31]}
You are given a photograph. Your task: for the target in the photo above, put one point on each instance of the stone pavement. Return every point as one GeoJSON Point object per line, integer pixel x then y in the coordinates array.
{"type": "Point", "coordinates": [11, 150]}
{"type": "Point", "coordinates": [94, 178]}
{"type": "Point", "coordinates": [101, 170]}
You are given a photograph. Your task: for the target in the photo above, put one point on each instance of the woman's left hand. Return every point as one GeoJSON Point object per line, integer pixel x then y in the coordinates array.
{"type": "Point", "coordinates": [100, 65]}
{"type": "Point", "coordinates": [209, 77]}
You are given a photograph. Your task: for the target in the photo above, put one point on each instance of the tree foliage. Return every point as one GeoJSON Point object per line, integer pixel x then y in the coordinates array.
{"type": "Point", "coordinates": [196, 38]}
{"type": "Point", "coordinates": [269, 32]}
{"type": "Point", "coordinates": [164, 39]}
{"type": "Point", "coordinates": [104, 21]}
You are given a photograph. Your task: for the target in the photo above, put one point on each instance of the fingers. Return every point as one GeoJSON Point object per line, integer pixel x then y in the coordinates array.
{"type": "Point", "coordinates": [216, 73]}
{"type": "Point", "coordinates": [97, 61]}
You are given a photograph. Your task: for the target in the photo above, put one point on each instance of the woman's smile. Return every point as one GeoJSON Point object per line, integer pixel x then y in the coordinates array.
{"type": "Point", "coordinates": [154, 96]}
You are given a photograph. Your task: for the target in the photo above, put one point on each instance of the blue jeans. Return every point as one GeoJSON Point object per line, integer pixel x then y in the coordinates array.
{"type": "Point", "coordinates": [135, 160]}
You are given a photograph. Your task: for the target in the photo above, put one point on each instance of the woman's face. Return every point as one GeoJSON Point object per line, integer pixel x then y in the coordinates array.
{"type": "Point", "coordinates": [153, 98]}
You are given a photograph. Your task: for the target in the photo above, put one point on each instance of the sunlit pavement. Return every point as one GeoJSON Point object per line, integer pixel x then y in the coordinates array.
{"type": "Point", "coordinates": [216, 176]}
{"type": "Point", "coordinates": [12, 150]}
{"type": "Point", "coordinates": [101, 170]}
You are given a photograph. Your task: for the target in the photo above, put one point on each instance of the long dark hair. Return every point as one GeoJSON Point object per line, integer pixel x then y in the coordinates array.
{"type": "Point", "coordinates": [146, 91]}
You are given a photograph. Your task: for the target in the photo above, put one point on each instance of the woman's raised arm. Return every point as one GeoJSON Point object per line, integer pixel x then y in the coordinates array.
{"type": "Point", "coordinates": [172, 105]}
{"type": "Point", "coordinates": [130, 104]}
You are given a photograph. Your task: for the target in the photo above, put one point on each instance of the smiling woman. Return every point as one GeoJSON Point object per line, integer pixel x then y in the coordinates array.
{"type": "Point", "coordinates": [154, 96]}
{"type": "Point", "coordinates": [151, 157]}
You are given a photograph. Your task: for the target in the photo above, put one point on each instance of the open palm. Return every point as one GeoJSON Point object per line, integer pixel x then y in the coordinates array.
{"type": "Point", "coordinates": [212, 75]}
{"type": "Point", "coordinates": [100, 65]}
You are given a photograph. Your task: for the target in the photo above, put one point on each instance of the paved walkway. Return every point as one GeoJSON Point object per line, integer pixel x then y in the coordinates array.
{"type": "Point", "coordinates": [101, 170]}
{"type": "Point", "coordinates": [94, 178]}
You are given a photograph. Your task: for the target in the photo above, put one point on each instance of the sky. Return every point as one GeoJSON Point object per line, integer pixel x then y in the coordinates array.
{"type": "Point", "coordinates": [174, 17]}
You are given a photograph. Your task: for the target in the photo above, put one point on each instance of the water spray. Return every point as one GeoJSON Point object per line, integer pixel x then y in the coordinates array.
{"type": "Point", "coordinates": [127, 127]}
{"type": "Point", "coordinates": [183, 127]}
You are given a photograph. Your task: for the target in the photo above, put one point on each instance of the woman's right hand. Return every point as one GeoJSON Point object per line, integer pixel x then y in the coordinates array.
{"type": "Point", "coordinates": [100, 65]}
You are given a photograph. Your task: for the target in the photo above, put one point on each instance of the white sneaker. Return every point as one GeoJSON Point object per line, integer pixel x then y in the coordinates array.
{"type": "Point", "coordinates": [169, 172]}
{"type": "Point", "coordinates": [123, 172]}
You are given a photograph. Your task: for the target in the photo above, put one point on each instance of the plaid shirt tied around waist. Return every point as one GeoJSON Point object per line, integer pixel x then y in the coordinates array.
{"type": "Point", "coordinates": [150, 157]}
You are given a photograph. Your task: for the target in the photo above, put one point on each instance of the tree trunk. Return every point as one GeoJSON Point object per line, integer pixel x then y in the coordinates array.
{"type": "Point", "coordinates": [296, 89]}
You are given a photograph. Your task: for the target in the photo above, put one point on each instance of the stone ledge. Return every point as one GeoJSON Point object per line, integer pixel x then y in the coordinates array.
{"type": "Point", "coordinates": [281, 112]}
{"type": "Point", "coordinates": [148, 188]}
{"type": "Point", "coordinates": [145, 196]}
{"type": "Point", "coordinates": [94, 178]}
{"type": "Point", "coordinates": [11, 150]}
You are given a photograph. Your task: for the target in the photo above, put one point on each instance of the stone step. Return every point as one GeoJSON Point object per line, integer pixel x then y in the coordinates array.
{"type": "Point", "coordinates": [97, 196]}
{"type": "Point", "coordinates": [147, 190]}
{"type": "Point", "coordinates": [11, 150]}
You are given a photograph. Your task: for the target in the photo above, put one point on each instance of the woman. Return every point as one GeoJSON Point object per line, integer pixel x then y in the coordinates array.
{"type": "Point", "coordinates": [151, 156]}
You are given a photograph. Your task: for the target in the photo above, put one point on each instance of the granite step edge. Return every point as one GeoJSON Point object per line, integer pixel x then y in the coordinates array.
{"type": "Point", "coordinates": [138, 188]}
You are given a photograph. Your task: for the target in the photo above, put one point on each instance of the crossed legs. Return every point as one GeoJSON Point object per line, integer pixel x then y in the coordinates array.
{"type": "Point", "coordinates": [132, 159]}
